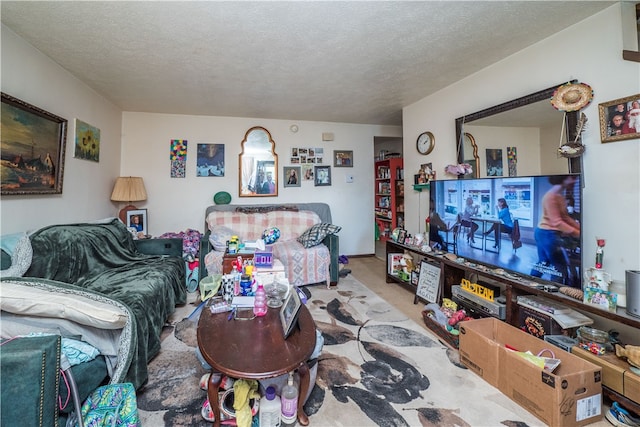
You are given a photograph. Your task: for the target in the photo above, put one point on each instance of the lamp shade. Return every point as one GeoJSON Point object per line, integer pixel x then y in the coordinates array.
{"type": "Point", "coordinates": [129, 189]}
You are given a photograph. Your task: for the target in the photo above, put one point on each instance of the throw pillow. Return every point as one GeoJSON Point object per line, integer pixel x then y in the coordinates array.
{"type": "Point", "coordinates": [316, 234]}
{"type": "Point", "coordinates": [20, 258]}
{"type": "Point", "coordinates": [271, 235]}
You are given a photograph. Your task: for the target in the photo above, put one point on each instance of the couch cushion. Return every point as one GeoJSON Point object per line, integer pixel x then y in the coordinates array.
{"type": "Point", "coordinates": [303, 266]}
{"type": "Point", "coordinates": [246, 226]}
{"type": "Point", "coordinates": [292, 224]}
{"type": "Point", "coordinates": [20, 299]}
{"type": "Point", "coordinates": [316, 234]}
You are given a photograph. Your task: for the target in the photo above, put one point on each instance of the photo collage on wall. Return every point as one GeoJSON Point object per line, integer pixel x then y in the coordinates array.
{"type": "Point", "coordinates": [307, 158]}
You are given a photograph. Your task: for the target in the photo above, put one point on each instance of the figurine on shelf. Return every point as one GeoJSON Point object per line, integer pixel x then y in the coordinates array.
{"type": "Point", "coordinates": [631, 352]}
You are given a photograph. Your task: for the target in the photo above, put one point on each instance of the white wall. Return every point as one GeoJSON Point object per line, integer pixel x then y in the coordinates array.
{"type": "Point", "coordinates": [591, 52]}
{"type": "Point", "coordinates": [175, 204]}
{"type": "Point", "coordinates": [34, 78]}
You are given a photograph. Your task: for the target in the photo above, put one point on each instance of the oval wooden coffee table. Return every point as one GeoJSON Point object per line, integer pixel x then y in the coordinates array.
{"type": "Point", "coordinates": [255, 349]}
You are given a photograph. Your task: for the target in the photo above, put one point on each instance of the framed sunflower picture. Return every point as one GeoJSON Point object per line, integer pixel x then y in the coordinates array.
{"type": "Point", "coordinates": [87, 142]}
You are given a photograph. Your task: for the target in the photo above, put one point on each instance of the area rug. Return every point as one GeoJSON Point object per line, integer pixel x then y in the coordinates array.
{"type": "Point", "coordinates": [377, 367]}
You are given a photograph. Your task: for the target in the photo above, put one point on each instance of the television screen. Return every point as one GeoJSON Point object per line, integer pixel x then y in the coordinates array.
{"type": "Point", "coordinates": [526, 225]}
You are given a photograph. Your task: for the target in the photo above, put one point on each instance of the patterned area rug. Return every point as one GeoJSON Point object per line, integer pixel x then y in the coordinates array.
{"type": "Point", "coordinates": [377, 368]}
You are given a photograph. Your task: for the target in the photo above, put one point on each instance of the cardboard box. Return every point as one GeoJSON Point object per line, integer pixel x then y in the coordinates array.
{"type": "Point", "coordinates": [571, 396]}
{"type": "Point", "coordinates": [616, 373]}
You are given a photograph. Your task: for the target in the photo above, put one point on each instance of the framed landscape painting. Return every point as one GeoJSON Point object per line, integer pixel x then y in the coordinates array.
{"type": "Point", "coordinates": [32, 151]}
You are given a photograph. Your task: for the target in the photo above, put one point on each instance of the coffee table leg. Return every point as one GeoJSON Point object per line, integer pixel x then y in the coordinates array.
{"type": "Point", "coordinates": [303, 370]}
{"type": "Point", "coordinates": [212, 393]}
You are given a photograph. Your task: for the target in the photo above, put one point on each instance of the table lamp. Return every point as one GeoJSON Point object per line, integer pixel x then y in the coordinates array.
{"type": "Point", "coordinates": [128, 189]}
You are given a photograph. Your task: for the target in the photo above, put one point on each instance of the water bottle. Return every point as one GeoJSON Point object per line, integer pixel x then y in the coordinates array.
{"type": "Point", "coordinates": [236, 280]}
{"type": "Point", "coordinates": [260, 301]}
{"type": "Point", "coordinates": [289, 402]}
{"type": "Point", "coordinates": [269, 415]}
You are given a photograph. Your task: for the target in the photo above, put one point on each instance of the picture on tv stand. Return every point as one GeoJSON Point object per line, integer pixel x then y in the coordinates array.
{"type": "Point", "coordinates": [526, 225]}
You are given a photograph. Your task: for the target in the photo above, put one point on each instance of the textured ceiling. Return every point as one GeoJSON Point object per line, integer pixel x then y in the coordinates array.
{"type": "Point", "coordinates": [354, 62]}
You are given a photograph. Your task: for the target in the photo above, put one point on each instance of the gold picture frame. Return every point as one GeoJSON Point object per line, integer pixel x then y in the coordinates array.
{"type": "Point", "coordinates": [619, 119]}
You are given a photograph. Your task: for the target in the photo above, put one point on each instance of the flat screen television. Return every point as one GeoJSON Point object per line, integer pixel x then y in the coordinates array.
{"type": "Point", "coordinates": [538, 236]}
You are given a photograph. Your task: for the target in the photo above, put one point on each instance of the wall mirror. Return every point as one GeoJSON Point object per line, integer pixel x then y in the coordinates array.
{"type": "Point", "coordinates": [470, 153]}
{"type": "Point", "coordinates": [258, 163]}
{"type": "Point", "coordinates": [532, 114]}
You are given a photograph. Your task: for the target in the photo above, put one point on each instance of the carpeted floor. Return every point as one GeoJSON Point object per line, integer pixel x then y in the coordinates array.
{"type": "Point", "coordinates": [377, 368]}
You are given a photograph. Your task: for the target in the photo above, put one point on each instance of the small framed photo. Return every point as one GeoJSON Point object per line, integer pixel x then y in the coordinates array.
{"type": "Point", "coordinates": [620, 119]}
{"type": "Point", "coordinates": [402, 234]}
{"type": "Point", "coordinates": [322, 175]}
{"type": "Point", "coordinates": [291, 176]}
{"type": "Point", "coordinates": [342, 159]}
{"type": "Point", "coordinates": [137, 220]}
{"type": "Point", "coordinates": [289, 312]}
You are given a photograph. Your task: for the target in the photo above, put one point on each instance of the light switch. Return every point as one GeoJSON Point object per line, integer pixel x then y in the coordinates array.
{"type": "Point", "coordinates": [349, 179]}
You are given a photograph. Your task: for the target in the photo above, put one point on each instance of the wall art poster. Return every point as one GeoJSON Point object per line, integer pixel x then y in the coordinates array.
{"type": "Point", "coordinates": [512, 161]}
{"type": "Point", "coordinates": [210, 160]}
{"type": "Point", "coordinates": [87, 142]}
{"type": "Point", "coordinates": [32, 149]}
{"type": "Point", "coordinates": [494, 162]}
{"type": "Point", "coordinates": [178, 158]}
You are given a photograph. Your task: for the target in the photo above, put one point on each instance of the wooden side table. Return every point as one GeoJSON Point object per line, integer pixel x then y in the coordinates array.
{"type": "Point", "coordinates": [255, 349]}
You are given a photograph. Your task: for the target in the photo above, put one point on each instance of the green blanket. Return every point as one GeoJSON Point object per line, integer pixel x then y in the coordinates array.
{"type": "Point", "coordinates": [102, 257]}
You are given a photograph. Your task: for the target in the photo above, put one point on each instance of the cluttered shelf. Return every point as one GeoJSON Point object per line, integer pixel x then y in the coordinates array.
{"type": "Point", "coordinates": [454, 270]}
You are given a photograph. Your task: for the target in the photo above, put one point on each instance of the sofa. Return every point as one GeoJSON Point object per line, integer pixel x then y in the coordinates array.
{"type": "Point", "coordinates": [315, 260]}
{"type": "Point", "coordinates": [90, 281]}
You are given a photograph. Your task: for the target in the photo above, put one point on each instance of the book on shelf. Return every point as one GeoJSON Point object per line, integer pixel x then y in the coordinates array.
{"type": "Point", "coordinates": [395, 267]}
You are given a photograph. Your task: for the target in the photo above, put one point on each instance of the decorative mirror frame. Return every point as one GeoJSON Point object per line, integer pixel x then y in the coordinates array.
{"type": "Point", "coordinates": [274, 172]}
{"type": "Point", "coordinates": [546, 94]}
{"type": "Point", "coordinates": [476, 158]}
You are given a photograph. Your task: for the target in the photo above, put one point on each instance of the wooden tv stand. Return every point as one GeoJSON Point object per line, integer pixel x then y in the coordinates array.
{"type": "Point", "coordinates": [453, 272]}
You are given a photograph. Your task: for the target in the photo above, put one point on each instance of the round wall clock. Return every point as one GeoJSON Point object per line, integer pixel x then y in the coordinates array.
{"type": "Point", "coordinates": [425, 143]}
